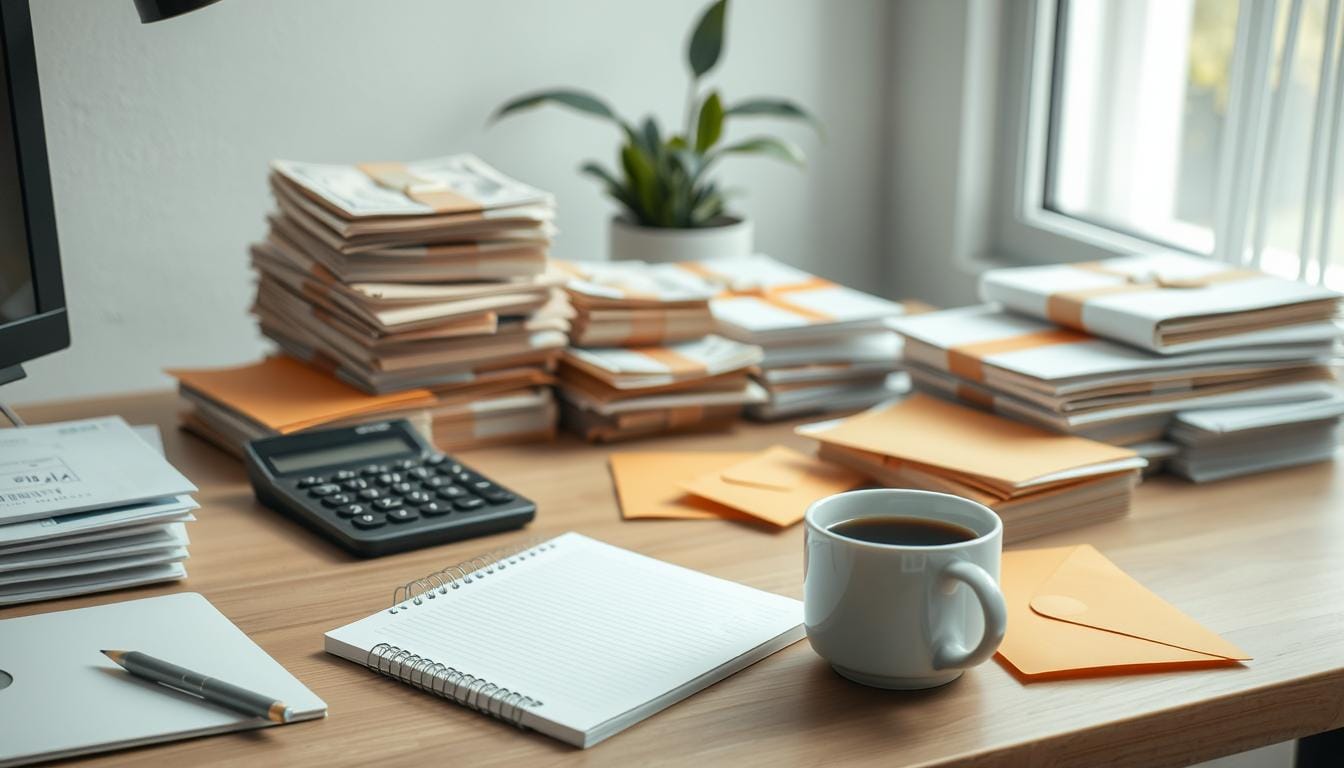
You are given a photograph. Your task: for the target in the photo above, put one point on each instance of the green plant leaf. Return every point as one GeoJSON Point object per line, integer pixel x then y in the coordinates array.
{"type": "Point", "coordinates": [771, 147]}
{"type": "Point", "coordinates": [707, 39]}
{"type": "Point", "coordinates": [653, 142]}
{"type": "Point", "coordinates": [614, 188]}
{"type": "Point", "coordinates": [711, 123]}
{"type": "Point", "coordinates": [643, 181]}
{"type": "Point", "coordinates": [770, 106]}
{"type": "Point", "coordinates": [566, 97]}
{"type": "Point", "coordinates": [677, 142]}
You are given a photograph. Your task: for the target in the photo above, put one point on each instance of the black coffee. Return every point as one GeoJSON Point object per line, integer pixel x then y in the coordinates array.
{"type": "Point", "coordinates": [909, 531]}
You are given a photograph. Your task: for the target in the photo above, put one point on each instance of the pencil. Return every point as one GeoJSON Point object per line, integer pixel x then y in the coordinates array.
{"type": "Point", "coordinates": [205, 687]}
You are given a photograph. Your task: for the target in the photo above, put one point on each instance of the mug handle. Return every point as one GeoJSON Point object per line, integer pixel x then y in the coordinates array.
{"type": "Point", "coordinates": [949, 654]}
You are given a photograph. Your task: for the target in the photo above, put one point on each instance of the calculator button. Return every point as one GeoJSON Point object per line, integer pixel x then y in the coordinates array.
{"type": "Point", "coordinates": [388, 478]}
{"type": "Point", "coordinates": [352, 510]}
{"type": "Point", "coordinates": [434, 508]}
{"type": "Point", "coordinates": [402, 515]}
{"type": "Point", "coordinates": [370, 494]}
{"type": "Point", "coordinates": [435, 483]}
{"type": "Point", "coordinates": [406, 464]}
{"type": "Point", "coordinates": [337, 500]}
{"type": "Point", "coordinates": [369, 520]}
{"type": "Point", "coordinates": [497, 496]}
{"type": "Point", "coordinates": [468, 503]}
{"type": "Point", "coordinates": [418, 497]}
{"type": "Point", "coordinates": [450, 468]}
{"type": "Point", "coordinates": [436, 459]}
{"type": "Point", "coordinates": [326, 489]}
{"type": "Point", "coordinates": [420, 473]}
{"type": "Point", "coordinates": [466, 478]}
{"type": "Point", "coordinates": [451, 492]}
{"type": "Point", "coordinates": [482, 485]}
{"type": "Point", "coordinates": [355, 484]}
{"type": "Point", "coordinates": [370, 470]}
{"type": "Point", "coordinates": [344, 474]}
{"type": "Point", "coordinates": [310, 481]}
{"type": "Point", "coordinates": [390, 502]}
{"type": "Point", "coordinates": [403, 487]}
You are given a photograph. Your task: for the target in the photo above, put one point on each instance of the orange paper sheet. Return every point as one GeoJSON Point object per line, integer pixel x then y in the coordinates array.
{"type": "Point", "coordinates": [287, 396]}
{"type": "Point", "coordinates": [936, 433]}
{"type": "Point", "coordinates": [1072, 612]}
{"type": "Point", "coordinates": [776, 485]}
{"type": "Point", "coordinates": [648, 485]}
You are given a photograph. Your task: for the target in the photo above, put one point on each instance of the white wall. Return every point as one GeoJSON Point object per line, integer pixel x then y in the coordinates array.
{"type": "Point", "coordinates": [159, 137]}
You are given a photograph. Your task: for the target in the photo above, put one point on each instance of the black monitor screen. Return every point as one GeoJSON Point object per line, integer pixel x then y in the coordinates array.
{"type": "Point", "coordinates": [16, 270]}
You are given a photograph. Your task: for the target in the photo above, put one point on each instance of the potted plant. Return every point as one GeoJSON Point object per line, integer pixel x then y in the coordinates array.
{"type": "Point", "coordinates": [673, 209]}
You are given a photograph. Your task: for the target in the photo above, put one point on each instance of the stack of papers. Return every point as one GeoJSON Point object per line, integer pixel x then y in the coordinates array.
{"type": "Point", "coordinates": [613, 393]}
{"type": "Point", "coordinates": [1166, 302]}
{"type": "Point", "coordinates": [279, 395]}
{"type": "Point", "coordinates": [827, 348]}
{"type": "Point", "coordinates": [773, 487]}
{"type": "Point", "coordinates": [1075, 383]}
{"type": "Point", "coordinates": [398, 276]}
{"type": "Point", "coordinates": [633, 304]}
{"type": "Point", "coordinates": [1220, 443]}
{"type": "Point", "coordinates": [1039, 482]}
{"type": "Point", "coordinates": [88, 506]}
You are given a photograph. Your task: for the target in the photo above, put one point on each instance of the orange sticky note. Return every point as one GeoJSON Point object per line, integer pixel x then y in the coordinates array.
{"type": "Point", "coordinates": [648, 485]}
{"type": "Point", "coordinates": [1072, 612]}
{"type": "Point", "coordinates": [282, 394]}
{"type": "Point", "coordinates": [776, 485]}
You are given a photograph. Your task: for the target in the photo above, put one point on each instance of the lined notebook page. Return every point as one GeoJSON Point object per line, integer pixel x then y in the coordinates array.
{"type": "Point", "coordinates": [590, 630]}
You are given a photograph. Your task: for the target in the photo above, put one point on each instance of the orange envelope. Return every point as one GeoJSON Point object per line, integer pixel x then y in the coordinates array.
{"type": "Point", "coordinates": [648, 485]}
{"type": "Point", "coordinates": [776, 485]}
{"type": "Point", "coordinates": [1072, 612]}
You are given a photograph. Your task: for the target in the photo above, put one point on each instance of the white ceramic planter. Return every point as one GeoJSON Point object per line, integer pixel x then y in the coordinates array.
{"type": "Point", "coordinates": [631, 242]}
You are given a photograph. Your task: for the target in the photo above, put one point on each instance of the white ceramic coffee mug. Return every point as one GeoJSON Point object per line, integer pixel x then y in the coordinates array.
{"type": "Point", "coordinates": [903, 616]}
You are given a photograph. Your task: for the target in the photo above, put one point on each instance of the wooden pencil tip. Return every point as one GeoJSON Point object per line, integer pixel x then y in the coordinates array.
{"type": "Point", "coordinates": [114, 655]}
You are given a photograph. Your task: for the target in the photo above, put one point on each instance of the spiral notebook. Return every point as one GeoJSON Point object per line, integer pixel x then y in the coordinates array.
{"type": "Point", "coordinates": [571, 637]}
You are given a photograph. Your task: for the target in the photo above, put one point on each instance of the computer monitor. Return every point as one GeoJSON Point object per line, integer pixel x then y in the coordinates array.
{"type": "Point", "coordinates": [32, 299]}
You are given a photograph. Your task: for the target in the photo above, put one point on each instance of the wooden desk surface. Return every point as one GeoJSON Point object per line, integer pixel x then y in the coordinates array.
{"type": "Point", "coordinates": [1259, 560]}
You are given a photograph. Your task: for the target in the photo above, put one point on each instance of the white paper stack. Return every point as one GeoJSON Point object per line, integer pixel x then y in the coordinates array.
{"type": "Point", "coordinates": [633, 304]}
{"type": "Point", "coordinates": [1079, 384]}
{"type": "Point", "coordinates": [615, 393]}
{"type": "Point", "coordinates": [88, 506]}
{"type": "Point", "coordinates": [827, 348]}
{"type": "Point", "coordinates": [1220, 443]}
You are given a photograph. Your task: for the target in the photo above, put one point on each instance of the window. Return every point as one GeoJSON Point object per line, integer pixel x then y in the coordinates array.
{"type": "Point", "coordinates": [1209, 126]}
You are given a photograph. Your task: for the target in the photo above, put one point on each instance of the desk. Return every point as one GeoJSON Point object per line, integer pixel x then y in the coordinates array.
{"type": "Point", "coordinates": [1259, 560]}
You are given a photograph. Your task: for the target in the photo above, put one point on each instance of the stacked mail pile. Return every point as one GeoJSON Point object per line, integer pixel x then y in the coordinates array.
{"type": "Point", "coordinates": [89, 506]}
{"type": "Point", "coordinates": [614, 393]}
{"type": "Point", "coordinates": [1038, 482]}
{"type": "Point", "coordinates": [430, 274]}
{"type": "Point", "coordinates": [1220, 443]}
{"type": "Point", "coordinates": [826, 346]}
{"type": "Point", "coordinates": [1126, 349]}
{"type": "Point", "coordinates": [633, 304]}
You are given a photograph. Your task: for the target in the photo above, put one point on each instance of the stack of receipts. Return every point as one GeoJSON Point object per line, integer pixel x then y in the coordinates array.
{"type": "Point", "coordinates": [826, 346]}
{"type": "Point", "coordinates": [1038, 482]}
{"type": "Point", "coordinates": [633, 304]}
{"type": "Point", "coordinates": [613, 393]}
{"type": "Point", "coordinates": [1072, 382]}
{"type": "Point", "coordinates": [395, 276]}
{"type": "Point", "coordinates": [88, 506]}
{"type": "Point", "coordinates": [1220, 443]}
{"type": "Point", "coordinates": [279, 395]}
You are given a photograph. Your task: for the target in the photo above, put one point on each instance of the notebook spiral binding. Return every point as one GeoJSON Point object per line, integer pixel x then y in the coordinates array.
{"type": "Point", "coordinates": [449, 683]}
{"type": "Point", "coordinates": [465, 572]}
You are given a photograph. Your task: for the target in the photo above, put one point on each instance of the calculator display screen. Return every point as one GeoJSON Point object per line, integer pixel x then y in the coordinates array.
{"type": "Point", "coordinates": [349, 453]}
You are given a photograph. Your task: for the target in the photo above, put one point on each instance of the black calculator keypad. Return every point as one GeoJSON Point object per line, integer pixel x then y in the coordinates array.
{"type": "Point", "coordinates": [402, 515]}
{"type": "Point", "coordinates": [326, 489]}
{"type": "Point", "coordinates": [468, 504]}
{"type": "Point", "coordinates": [369, 520]}
{"type": "Point", "coordinates": [337, 500]}
{"type": "Point", "coordinates": [435, 508]}
{"type": "Point", "coordinates": [388, 502]}
{"type": "Point", "coordinates": [351, 510]}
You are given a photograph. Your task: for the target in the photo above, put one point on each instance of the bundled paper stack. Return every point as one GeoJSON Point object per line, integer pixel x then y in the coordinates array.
{"type": "Point", "coordinates": [827, 347]}
{"type": "Point", "coordinates": [428, 275]}
{"type": "Point", "coordinates": [1220, 443]}
{"type": "Point", "coordinates": [633, 304]}
{"type": "Point", "coordinates": [279, 395]}
{"type": "Point", "coordinates": [1038, 482]}
{"type": "Point", "coordinates": [1072, 382]}
{"type": "Point", "coordinates": [773, 487]}
{"type": "Point", "coordinates": [89, 506]}
{"type": "Point", "coordinates": [614, 393]}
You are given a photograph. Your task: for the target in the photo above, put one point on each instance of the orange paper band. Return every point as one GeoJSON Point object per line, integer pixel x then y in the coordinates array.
{"type": "Point", "coordinates": [1066, 307]}
{"type": "Point", "coordinates": [966, 360]}
{"type": "Point", "coordinates": [397, 176]}
{"type": "Point", "coordinates": [975, 396]}
{"type": "Point", "coordinates": [677, 363]}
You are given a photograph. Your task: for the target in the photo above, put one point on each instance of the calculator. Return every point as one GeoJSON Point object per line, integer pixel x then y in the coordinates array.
{"type": "Point", "coordinates": [379, 488]}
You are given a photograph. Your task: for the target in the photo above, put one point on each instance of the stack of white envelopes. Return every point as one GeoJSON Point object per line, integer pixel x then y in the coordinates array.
{"type": "Point", "coordinates": [826, 346]}
{"type": "Point", "coordinates": [88, 506]}
{"type": "Point", "coordinates": [634, 304]}
{"type": "Point", "coordinates": [1220, 443]}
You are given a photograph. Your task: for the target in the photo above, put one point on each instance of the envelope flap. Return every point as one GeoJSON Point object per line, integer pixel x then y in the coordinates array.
{"type": "Point", "coordinates": [779, 468]}
{"type": "Point", "coordinates": [1089, 590]}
